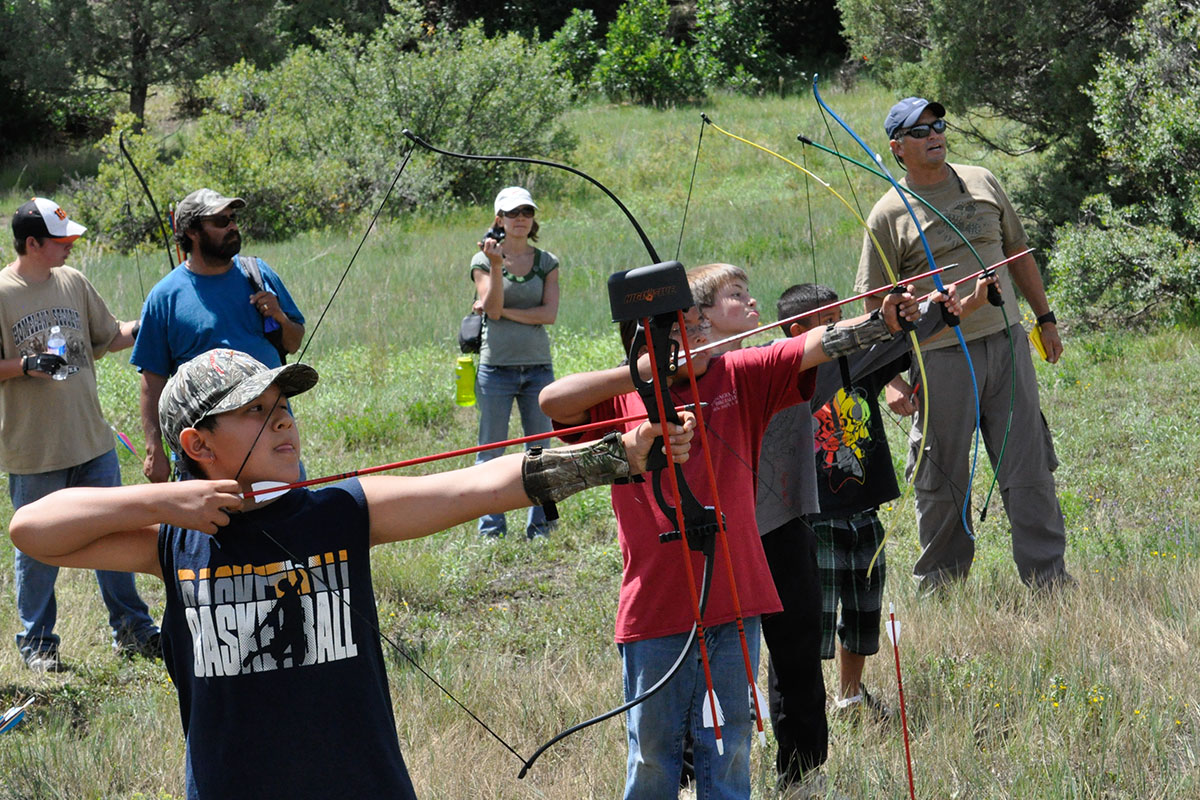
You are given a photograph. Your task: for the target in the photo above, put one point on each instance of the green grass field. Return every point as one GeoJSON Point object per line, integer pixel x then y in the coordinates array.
{"type": "Point", "coordinates": [1087, 694]}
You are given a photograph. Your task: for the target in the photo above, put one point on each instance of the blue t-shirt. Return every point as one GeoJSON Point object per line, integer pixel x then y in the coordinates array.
{"type": "Point", "coordinates": [188, 314]}
{"type": "Point", "coordinates": [267, 636]}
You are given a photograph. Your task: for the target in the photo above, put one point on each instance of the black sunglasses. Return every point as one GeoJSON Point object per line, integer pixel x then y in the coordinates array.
{"type": "Point", "coordinates": [221, 220]}
{"type": "Point", "coordinates": [523, 211]}
{"type": "Point", "coordinates": [921, 131]}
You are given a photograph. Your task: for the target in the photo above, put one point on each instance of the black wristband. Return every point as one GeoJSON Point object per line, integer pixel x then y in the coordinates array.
{"type": "Point", "coordinates": [25, 364]}
{"type": "Point", "coordinates": [1047, 317]}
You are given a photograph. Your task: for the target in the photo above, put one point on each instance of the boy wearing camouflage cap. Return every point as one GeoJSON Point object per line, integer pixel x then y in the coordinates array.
{"type": "Point", "coordinates": [269, 632]}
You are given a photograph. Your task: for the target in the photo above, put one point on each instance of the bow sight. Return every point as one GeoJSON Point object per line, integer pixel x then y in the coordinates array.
{"type": "Point", "coordinates": [654, 298]}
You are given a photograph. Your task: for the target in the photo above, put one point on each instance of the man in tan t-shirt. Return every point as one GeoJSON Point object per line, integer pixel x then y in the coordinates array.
{"type": "Point", "coordinates": [973, 199]}
{"type": "Point", "coordinates": [52, 431]}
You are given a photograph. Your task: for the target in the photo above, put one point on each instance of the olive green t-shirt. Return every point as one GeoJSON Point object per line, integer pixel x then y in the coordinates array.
{"type": "Point", "coordinates": [507, 343]}
{"type": "Point", "coordinates": [979, 208]}
{"type": "Point", "coordinates": [47, 425]}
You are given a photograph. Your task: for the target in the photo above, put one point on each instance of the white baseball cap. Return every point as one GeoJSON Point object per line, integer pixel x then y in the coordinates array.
{"type": "Point", "coordinates": [513, 197]}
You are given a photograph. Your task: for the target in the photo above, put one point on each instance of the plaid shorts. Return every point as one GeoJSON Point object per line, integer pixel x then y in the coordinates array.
{"type": "Point", "coordinates": [845, 548]}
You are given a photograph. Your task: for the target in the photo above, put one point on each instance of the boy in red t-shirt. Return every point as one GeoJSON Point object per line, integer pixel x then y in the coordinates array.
{"type": "Point", "coordinates": [741, 391]}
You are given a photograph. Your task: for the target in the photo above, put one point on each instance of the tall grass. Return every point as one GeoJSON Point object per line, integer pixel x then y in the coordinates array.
{"type": "Point", "coordinates": [1085, 694]}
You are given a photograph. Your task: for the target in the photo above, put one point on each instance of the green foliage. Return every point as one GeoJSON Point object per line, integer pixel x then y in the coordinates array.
{"type": "Point", "coordinates": [1147, 115]}
{"type": "Point", "coordinates": [126, 46]}
{"type": "Point", "coordinates": [317, 139]}
{"type": "Point", "coordinates": [1110, 270]}
{"type": "Point", "coordinates": [642, 63]}
{"type": "Point", "coordinates": [1134, 253]}
{"type": "Point", "coordinates": [733, 45]}
{"type": "Point", "coordinates": [995, 59]}
{"type": "Point", "coordinates": [34, 108]}
{"type": "Point", "coordinates": [575, 49]}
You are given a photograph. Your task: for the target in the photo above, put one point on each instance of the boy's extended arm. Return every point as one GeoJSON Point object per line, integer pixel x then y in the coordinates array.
{"type": "Point", "coordinates": [568, 399]}
{"type": "Point", "coordinates": [410, 507]}
{"type": "Point", "coordinates": [116, 528]}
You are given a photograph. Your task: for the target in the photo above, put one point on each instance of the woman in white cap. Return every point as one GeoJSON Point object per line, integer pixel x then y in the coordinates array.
{"type": "Point", "coordinates": [517, 289]}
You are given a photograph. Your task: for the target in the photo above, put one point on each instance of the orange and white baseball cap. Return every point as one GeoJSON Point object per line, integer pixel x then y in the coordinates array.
{"type": "Point", "coordinates": [44, 219]}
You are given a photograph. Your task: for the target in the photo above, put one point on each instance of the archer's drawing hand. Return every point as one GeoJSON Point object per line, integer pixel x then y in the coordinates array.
{"type": "Point", "coordinates": [201, 505]}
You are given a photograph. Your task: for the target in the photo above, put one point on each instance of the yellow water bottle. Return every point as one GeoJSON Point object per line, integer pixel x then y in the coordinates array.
{"type": "Point", "coordinates": [464, 381]}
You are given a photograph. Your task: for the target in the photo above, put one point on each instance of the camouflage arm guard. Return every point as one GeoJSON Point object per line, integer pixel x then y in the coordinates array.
{"type": "Point", "coordinates": [843, 340]}
{"type": "Point", "coordinates": [550, 475]}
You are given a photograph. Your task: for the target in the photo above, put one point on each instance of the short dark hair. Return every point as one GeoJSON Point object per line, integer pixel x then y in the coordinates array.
{"type": "Point", "coordinates": [181, 237]}
{"type": "Point", "coordinates": [21, 245]}
{"type": "Point", "coordinates": [802, 297]}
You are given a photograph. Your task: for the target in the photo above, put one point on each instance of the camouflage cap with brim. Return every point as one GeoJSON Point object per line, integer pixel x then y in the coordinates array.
{"type": "Point", "coordinates": [220, 381]}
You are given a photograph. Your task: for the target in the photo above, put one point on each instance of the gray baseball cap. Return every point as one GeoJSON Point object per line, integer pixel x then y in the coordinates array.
{"type": "Point", "coordinates": [220, 381]}
{"type": "Point", "coordinates": [203, 203]}
{"type": "Point", "coordinates": [906, 113]}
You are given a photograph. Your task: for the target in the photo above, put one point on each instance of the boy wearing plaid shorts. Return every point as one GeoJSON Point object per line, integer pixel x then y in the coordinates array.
{"type": "Point", "coordinates": [854, 477]}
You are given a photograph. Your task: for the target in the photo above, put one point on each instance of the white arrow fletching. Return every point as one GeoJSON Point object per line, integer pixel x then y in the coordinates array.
{"type": "Point", "coordinates": [893, 631]}
{"type": "Point", "coordinates": [762, 705]}
{"type": "Point", "coordinates": [14, 715]}
{"type": "Point", "coordinates": [261, 485]}
{"type": "Point", "coordinates": [708, 706]}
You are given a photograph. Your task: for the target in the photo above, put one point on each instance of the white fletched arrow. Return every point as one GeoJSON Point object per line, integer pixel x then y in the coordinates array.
{"type": "Point", "coordinates": [707, 717]}
{"type": "Point", "coordinates": [14, 715]}
{"type": "Point", "coordinates": [762, 703]}
{"type": "Point", "coordinates": [893, 625]}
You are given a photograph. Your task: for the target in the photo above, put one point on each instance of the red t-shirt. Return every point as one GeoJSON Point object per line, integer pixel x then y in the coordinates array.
{"type": "Point", "coordinates": [743, 389]}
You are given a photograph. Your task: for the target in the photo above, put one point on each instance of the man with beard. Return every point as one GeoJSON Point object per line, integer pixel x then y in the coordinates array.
{"type": "Point", "coordinates": [214, 299]}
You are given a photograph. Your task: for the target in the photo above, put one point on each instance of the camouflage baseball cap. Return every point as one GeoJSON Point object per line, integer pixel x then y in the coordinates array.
{"type": "Point", "coordinates": [220, 381]}
{"type": "Point", "coordinates": [203, 203]}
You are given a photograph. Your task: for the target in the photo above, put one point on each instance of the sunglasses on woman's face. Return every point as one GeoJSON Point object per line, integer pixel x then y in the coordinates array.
{"type": "Point", "coordinates": [921, 131]}
{"type": "Point", "coordinates": [523, 211]}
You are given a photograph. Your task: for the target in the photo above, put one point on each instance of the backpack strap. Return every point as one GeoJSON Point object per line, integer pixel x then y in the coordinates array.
{"type": "Point", "coordinates": [249, 267]}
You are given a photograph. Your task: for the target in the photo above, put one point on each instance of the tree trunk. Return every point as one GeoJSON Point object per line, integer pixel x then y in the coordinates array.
{"type": "Point", "coordinates": [139, 70]}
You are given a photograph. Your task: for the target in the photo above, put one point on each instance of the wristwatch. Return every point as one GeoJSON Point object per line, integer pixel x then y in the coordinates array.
{"type": "Point", "coordinates": [1047, 317]}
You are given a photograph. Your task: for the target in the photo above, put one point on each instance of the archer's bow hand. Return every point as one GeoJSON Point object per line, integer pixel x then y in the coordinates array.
{"type": "Point", "coordinates": [639, 441]}
{"type": "Point", "coordinates": [983, 293]}
{"type": "Point", "coordinates": [950, 299]}
{"type": "Point", "coordinates": [898, 306]}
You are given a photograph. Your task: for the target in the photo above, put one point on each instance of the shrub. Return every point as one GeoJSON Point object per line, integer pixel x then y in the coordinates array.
{"type": "Point", "coordinates": [1108, 270]}
{"type": "Point", "coordinates": [640, 62]}
{"type": "Point", "coordinates": [1134, 255]}
{"type": "Point", "coordinates": [733, 47]}
{"type": "Point", "coordinates": [317, 139]}
{"type": "Point", "coordinates": [575, 50]}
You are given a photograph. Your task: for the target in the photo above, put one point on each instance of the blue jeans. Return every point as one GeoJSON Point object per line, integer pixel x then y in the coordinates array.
{"type": "Point", "coordinates": [36, 606]}
{"type": "Point", "coordinates": [495, 390]}
{"type": "Point", "coordinates": [656, 728]}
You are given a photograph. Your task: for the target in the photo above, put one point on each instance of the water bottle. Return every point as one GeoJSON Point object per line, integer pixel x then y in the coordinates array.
{"type": "Point", "coordinates": [464, 381]}
{"type": "Point", "coordinates": [56, 343]}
